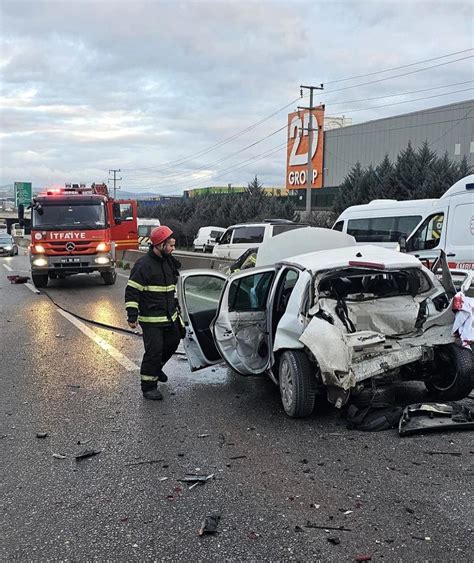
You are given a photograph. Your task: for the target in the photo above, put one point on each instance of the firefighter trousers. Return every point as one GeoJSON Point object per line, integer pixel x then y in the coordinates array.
{"type": "Point", "coordinates": [160, 344]}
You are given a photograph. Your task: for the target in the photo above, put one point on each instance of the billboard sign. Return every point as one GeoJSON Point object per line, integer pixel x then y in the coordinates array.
{"type": "Point", "coordinates": [297, 149]}
{"type": "Point", "coordinates": [23, 193]}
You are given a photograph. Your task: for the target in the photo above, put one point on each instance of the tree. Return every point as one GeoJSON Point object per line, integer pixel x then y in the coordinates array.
{"type": "Point", "coordinates": [254, 186]}
{"type": "Point", "coordinates": [406, 173]}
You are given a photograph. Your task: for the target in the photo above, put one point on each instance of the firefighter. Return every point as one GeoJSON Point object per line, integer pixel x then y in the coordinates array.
{"type": "Point", "coordinates": [150, 300]}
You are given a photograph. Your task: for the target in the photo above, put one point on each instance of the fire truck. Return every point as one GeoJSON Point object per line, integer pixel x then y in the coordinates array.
{"type": "Point", "coordinates": [77, 230]}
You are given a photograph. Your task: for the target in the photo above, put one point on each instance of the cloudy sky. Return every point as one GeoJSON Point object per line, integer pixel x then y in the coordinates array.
{"type": "Point", "coordinates": [190, 94]}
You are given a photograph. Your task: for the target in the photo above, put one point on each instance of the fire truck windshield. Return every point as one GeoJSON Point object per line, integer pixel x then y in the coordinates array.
{"type": "Point", "coordinates": [63, 216]}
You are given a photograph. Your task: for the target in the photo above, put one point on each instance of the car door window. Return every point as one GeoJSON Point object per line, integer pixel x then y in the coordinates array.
{"type": "Point", "coordinates": [248, 235]}
{"type": "Point", "coordinates": [226, 237]}
{"type": "Point", "coordinates": [250, 293]}
{"type": "Point", "coordinates": [428, 235]}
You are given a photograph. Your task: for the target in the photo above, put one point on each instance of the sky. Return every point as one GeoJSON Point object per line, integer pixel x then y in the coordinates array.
{"type": "Point", "coordinates": [179, 95]}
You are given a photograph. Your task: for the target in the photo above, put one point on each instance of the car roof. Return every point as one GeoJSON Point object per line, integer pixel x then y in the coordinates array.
{"type": "Point", "coordinates": [262, 224]}
{"type": "Point", "coordinates": [304, 240]}
{"type": "Point", "coordinates": [367, 253]}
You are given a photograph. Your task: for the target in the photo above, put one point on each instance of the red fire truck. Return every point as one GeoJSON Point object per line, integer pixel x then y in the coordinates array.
{"type": "Point", "coordinates": [77, 230]}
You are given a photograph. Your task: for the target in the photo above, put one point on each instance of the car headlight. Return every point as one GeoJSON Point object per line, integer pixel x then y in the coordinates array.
{"type": "Point", "coordinates": [102, 260]}
{"type": "Point", "coordinates": [39, 248]}
{"type": "Point", "coordinates": [103, 247]}
{"type": "Point", "coordinates": [40, 262]}
{"type": "Point", "coordinates": [8, 247]}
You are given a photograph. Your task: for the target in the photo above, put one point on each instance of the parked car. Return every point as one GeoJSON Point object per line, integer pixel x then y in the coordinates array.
{"type": "Point", "coordinates": [239, 238]}
{"type": "Point", "coordinates": [8, 246]}
{"type": "Point", "coordinates": [206, 238]}
{"type": "Point", "coordinates": [328, 322]}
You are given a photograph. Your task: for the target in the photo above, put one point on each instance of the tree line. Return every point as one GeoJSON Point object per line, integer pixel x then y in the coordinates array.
{"type": "Point", "coordinates": [416, 174]}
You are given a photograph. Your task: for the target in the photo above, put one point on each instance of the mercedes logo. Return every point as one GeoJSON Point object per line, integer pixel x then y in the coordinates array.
{"type": "Point", "coordinates": [70, 246]}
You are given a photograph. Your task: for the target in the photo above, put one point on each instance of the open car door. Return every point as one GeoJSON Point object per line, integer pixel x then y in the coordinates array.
{"type": "Point", "coordinates": [199, 292]}
{"type": "Point", "coordinates": [241, 329]}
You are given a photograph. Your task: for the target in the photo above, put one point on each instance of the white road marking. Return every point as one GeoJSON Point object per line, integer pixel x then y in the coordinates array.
{"type": "Point", "coordinates": [123, 275]}
{"type": "Point", "coordinates": [32, 288]}
{"type": "Point", "coordinates": [8, 267]}
{"type": "Point", "coordinates": [118, 356]}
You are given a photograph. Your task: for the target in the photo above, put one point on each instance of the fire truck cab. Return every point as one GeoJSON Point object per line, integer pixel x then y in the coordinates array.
{"type": "Point", "coordinates": [77, 230]}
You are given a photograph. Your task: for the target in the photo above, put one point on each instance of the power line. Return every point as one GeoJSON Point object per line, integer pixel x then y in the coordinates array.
{"type": "Point", "coordinates": [170, 164]}
{"type": "Point", "coordinates": [399, 75]}
{"type": "Point", "coordinates": [398, 67]}
{"type": "Point", "coordinates": [402, 93]}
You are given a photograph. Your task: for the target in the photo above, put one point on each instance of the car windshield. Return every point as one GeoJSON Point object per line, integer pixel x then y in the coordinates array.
{"type": "Point", "coordinates": [360, 285]}
{"type": "Point", "coordinates": [61, 216]}
{"type": "Point", "coordinates": [5, 239]}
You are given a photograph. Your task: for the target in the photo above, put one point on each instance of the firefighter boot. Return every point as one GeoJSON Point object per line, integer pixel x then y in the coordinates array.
{"type": "Point", "coordinates": [162, 376]}
{"type": "Point", "coordinates": [153, 395]}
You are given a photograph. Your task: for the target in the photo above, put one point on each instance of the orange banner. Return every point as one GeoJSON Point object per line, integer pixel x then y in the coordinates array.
{"type": "Point", "coordinates": [297, 149]}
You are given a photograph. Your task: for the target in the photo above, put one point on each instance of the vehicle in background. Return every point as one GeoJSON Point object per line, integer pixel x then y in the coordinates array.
{"type": "Point", "coordinates": [206, 238]}
{"type": "Point", "coordinates": [3, 228]}
{"type": "Point", "coordinates": [428, 225]}
{"type": "Point", "coordinates": [145, 226]}
{"type": "Point", "coordinates": [382, 221]}
{"type": "Point", "coordinates": [78, 230]}
{"type": "Point", "coordinates": [239, 238]}
{"type": "Point", "coordinates": [331, 322]}
{"type": "Point", "coordinates": [17, 230]}
{"type": "Point", "coordinates": [448, 225]}
{"type": "Point", "coordinates": [8, 246]}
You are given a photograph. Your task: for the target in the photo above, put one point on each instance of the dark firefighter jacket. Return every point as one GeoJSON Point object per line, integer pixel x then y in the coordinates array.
{"type": "Point", "coordinates": [150, 291]}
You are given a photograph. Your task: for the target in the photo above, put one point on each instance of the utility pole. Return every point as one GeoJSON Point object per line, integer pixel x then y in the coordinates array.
{"type": "Point", "coordinates": [309, 171]}
{"type": "Point", "coordinates": [115, 180]}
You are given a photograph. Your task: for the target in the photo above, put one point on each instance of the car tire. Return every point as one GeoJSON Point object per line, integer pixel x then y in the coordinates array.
{"type": "Point", "coordinates": [109, 277]}
{"type": "Point", "coordinates": [297, 384]}
{"type": "Point", "coordinates": [40, 280]}
{"type": "Point", "coordinates": [455, 373]}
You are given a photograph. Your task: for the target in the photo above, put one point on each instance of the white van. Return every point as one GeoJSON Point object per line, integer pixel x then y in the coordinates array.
{"type": "Point", "coordinates": [448, 225]}
{"type": "Point", "coordinates": [383, 221]}
{"type": "Point", "coordinates": [206, 238]}
{"type": "Point", "coordinates": [430, 225]}
{"type": "Point", "coordinates": [239, 238]}
{"type": "Point", "coordinates": [145, 226]}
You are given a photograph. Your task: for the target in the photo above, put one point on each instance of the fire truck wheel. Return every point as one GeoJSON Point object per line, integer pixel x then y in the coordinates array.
{"type": "Point", "coordinates": [109, 277]}
{"type": "Point", "coordinates": [40, 280]}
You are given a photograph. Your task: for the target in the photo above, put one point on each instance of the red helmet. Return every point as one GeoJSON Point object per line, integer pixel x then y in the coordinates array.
{"type": "Point", "coordinates": [160, 234]}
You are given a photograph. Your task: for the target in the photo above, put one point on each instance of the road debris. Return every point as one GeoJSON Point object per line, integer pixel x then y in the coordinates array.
{"type": "Point", "coordinates": [203, 435]}
{"type": "Point", "coordinates": [18, 279]}
{"type": "Point", "coordinates": [422, 538]}
{"type": "Point", "coordinates": [456, 454]}
{"type": "Point", "coordinates": [59, 456]}
{"type": "Point", "coordinates": [334, 540]}
{"type": "Point", "coordinates": [144, 462]}
{"type": "Point", "coordinates": [87, 453]}
{"type": "Point", "coordinates": [73, 385]}
{"type": "Point", "coordinates": [238, 457]}
{"type": "Point", "coordinates": [41, 434]}
{"type": "Point", "coordinates": [196, 479]}
{"type": "Point", "coordinates": [163, 479]}
{"type": "Point", "coordinates": [318, 527]}
{"type": "Point", "coordinates": [209, 524]}
{"type": "Point", "coordinates": [363, 557]}
{"type": "Point", "coordinates": [435, 417]}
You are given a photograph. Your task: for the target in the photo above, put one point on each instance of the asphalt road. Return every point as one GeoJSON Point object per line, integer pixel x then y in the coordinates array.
{"type": "Point", "coordinates": [396, 499]}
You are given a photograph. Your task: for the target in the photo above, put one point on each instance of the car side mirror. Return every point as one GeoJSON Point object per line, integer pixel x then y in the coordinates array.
{"type": "Point", "coordinates": [117, 220]}
{"type": "Point", "coordinates": [402, 243]}
{"type": "Point", "coordinates": [218, 239]}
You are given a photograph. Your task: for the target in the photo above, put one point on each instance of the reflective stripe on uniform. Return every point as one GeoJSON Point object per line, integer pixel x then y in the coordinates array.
{"type": "Point", "coordinates": [152, 378]}
{"type": "Point", "coordinates": [159, 288]}
{"type": "Point", "coordinates": [163, 319]}
{"type": "Point", "coordinates": [133, 304]}
{"type": "Point", "coordinates": [136, 285]}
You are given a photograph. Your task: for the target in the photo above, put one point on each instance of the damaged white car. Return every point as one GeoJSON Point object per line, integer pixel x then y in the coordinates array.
{"type": "Point", "coordinates": [328, 322]}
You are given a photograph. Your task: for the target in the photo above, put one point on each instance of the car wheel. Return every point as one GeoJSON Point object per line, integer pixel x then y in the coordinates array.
{"type": "Point", "coordinates": [40, 280]}
{"type": "Point", "coordinates": [297, 384]}
{"type": "Point", "coordinates": [454, 375]}
{"type": "Point", "coordinates": [109, 277]}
